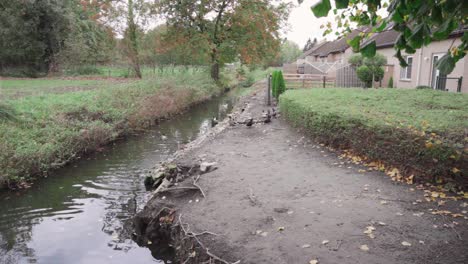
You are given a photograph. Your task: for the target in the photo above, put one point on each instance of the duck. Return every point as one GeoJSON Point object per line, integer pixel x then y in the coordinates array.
{"type": "Point", "coordinates": [214, 122]}
{"type": "Point", "coordinates": [231, 120]}
{"type": "Point", "coordinates": [267, 118]}
{"type": "Point", "coordinates": [249, 122]}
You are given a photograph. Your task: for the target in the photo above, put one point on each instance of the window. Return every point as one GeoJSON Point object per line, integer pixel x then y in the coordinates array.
{"type": "Point", "coordinates": [405, 73]}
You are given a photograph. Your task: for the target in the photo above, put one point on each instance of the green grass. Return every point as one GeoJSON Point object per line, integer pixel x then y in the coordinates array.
{"type": "Point", "coordinates": [421, 132]}
{"type": "Point", "coordinates": [55, 128]}
{"type": "Point", "coordinates": [435, 110]}
{"type": "Point", "coordinates": [14, 88]}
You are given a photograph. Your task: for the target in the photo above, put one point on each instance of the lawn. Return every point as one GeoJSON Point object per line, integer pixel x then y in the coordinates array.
{"type": "Point", "coordinates": [420, 132]}
{"type": "Point", "coordinates": [15, 88]}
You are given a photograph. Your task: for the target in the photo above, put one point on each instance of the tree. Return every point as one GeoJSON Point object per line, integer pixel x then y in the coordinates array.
{"type": "Point", "coordinates": [289, 52]}
{"type": "Point", "coordinates": [131, 35]}
{"type": "Point", "coordinates": [244, 29]}
{"type": "Point", "coordinates": [33, 33]}
{"type": "Point", "coordinates": [310, 44]}
{"type": "Point", "coordinates": [307, 45]}
{"type": "Point", "coordinates": [369, 70]}
{"type": "Point", "coordinates": [419, 23]}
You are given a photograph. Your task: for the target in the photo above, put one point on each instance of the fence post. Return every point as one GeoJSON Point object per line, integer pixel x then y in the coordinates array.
{"type": "Point", "coordinates": [303, 81]}
{"type": "Point", "coordinates": [324, 81]}
{"type": "Point", "coordinates": [437, 83]}
{"type": "Point", "coordinates": [459, 84]}
{"type": "Point", "coordinates": [269, 90]}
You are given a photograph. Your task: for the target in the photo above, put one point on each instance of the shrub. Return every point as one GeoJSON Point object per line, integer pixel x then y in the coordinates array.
{"type": "Point", "coordinates": [423, 136]}
{"type": "Point", "coordinates": [364, 74]}
{"type": "Point", "coordinates": [423, 87]}
{"type": "Point", "coordinates": [278, 85]}
{"type": "Point", "coordinates": [390, 82]}
{"type": "Point", "coordinates": [274, 82]}
{"type": "Point", "coordinates": [281, 85]}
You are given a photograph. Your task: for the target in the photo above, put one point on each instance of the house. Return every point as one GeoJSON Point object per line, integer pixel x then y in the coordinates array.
{"type": "Point", "coordinates": [421, 70]}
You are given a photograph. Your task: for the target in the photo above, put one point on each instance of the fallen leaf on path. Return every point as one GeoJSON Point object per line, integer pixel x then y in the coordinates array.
{"type": "Point", "coordinates": [383, 202]}
{"type": "Point", "coordinates": [325, 242]}
{"type": "Point", "coordinates": [314, 261]}
{"type": "Point", "coordinates": [306, 246]}
{"type": "Point", "coordinates": [421, 242]}
{"type": "Point", "coordinates": [364, 248]}
{"type": "Point", "coordinates": [381, 223]}
{"type": "Point", "coordinates": [406, 244]}
{"type": "Point", "coordinates": [281, 228]}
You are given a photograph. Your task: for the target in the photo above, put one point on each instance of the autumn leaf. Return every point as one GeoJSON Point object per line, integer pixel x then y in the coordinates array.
{"type": "Point", "coordinates": [364, 248]}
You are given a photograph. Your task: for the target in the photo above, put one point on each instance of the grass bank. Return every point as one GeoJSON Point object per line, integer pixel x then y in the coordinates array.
{"type": "Point", "coordinates": [417, 134]}
{"type": "Point", "coordinates": [52, 129]}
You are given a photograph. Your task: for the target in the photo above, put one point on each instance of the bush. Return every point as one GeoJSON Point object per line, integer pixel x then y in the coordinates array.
{"type": "Point", "coordinates": [390, 82]}
{"type": "Point", "coordinates": [364, 74]}
{"type": "Point", "coordinates": [249, 81]}
{"type": "Point", "coordinates": [274, 82]}
{"type": "Point", "coordinates": [378, 74]}
{"type": "Point", "coordinates": [423, 87]}
{"type": "Point", "coordinates": [278, 85]}
{"type": "Point", "coordinates": [424, 136]}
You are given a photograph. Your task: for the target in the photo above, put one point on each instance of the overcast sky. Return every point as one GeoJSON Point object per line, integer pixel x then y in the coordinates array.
{"type": "Point", "coordinates": [304, 25]}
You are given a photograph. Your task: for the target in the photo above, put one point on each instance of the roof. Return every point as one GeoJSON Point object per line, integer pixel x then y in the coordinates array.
{"type": "Point", "coordinates": [312, 50]}
{"type": "Point", "coordinates": [338, 45]}
{"type": "Point", "coordinates": [384, 39]}
{"type": "Point", "coordinates": [341, 44]}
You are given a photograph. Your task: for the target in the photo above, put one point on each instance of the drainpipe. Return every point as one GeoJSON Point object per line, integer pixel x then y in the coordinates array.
{"type": "Point", "coordinates": [419, 66]}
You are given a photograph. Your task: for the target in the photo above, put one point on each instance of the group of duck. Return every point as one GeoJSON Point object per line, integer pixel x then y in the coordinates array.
{"type": "Point", "coordinates": [265, 118]}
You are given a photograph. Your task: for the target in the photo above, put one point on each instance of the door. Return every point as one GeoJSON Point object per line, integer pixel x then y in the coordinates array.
{"type": "Point", "coordinates": [438, 80]}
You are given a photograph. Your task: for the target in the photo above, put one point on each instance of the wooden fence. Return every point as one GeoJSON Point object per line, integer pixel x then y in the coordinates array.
{"type": "Point", "coordinates": [347, 77]}
{"type": "Point", "coordinates": [295, 81]}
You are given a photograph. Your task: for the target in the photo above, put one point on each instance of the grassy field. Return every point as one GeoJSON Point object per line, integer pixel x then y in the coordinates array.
{"type": "Point", "coordinates": [53, 129]}
{"type": "Point", "coordinates": [12, 88]}
{"type": "Point", "coordinates": [420, 132]}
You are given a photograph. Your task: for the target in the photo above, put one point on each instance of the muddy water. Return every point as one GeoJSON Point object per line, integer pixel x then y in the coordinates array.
{"type": "Point", "coordinates": [82, 213]}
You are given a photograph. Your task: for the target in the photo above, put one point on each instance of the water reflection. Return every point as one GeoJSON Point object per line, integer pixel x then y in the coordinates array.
{"type": "Point", "coordinates": [82, 213]}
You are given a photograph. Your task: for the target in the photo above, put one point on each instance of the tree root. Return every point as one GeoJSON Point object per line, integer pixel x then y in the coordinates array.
{"type": "Point", "coordinates": [186, 229]}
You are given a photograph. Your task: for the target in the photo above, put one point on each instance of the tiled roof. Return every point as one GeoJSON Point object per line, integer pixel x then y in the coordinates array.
{"type": "Point", "coordinates": [313, 49]}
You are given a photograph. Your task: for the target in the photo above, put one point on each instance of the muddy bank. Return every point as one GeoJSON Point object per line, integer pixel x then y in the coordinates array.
{"type": "Point", "coordinates": [279, 197]}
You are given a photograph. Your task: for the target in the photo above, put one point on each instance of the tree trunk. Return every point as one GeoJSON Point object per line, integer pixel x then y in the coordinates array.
{"type": "Point", "coordinates": [215, 71]}
{"type": "Point", "coordinates": [214, 65]}
{"type": "Point", "coordinates": [132, 34]}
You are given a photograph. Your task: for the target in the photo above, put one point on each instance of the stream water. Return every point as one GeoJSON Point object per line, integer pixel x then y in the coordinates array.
{"type": "Point", "coordinates": [82, 214]}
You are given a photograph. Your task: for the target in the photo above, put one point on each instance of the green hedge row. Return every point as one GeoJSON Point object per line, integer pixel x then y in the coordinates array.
{"type": "Point", "coordinates": [419, 132]}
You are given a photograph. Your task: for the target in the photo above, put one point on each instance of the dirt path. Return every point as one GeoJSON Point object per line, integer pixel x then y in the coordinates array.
{"type": "Point", "coordinates": [277, 197]}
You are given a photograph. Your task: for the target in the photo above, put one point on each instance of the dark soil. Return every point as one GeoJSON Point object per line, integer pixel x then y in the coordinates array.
{"type": "Point", "coordinates": [278, 197]}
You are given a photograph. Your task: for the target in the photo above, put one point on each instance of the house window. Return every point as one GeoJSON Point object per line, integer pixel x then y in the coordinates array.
{"type": "Point", "coordinates": [405, 73]}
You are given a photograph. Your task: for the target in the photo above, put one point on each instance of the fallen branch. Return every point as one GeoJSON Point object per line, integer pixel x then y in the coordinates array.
{"type": "Point", "coordinates": [198, 186]}
{"type": "Point", "coordinates": [188, 233]}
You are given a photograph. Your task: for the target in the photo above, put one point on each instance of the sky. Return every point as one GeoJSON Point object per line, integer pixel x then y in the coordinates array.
{"type": "Point", "coordinates": [304, 25]}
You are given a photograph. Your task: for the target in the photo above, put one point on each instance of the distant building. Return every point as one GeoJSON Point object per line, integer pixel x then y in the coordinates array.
{"type": "Point", "coordinates": [421, 70]}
